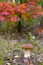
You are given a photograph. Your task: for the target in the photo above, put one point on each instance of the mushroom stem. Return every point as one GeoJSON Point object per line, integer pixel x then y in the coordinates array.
{"type": "Point", "coordinates": [27, 54]}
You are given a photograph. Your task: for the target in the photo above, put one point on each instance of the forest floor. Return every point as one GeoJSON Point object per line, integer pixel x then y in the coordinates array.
{"type": "Point", "coordinates": [15, 41]}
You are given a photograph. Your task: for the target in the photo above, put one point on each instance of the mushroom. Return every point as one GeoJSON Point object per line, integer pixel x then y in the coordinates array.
{"type": "Point", "coordinates": [27, 50]}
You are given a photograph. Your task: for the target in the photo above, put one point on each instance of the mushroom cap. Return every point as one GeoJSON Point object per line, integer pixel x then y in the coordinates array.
{"type": "Point", "coordinates": [27, 46]}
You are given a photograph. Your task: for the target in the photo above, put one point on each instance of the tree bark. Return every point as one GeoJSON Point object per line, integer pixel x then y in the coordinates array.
{"type": "Point", "coordinates": [19, 24]}
{"type": "Point", "coordinates": [41, 22]}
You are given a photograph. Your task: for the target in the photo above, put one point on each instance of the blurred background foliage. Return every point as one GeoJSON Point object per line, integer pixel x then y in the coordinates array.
{"type": "Point", "coordinates": [5, 26]}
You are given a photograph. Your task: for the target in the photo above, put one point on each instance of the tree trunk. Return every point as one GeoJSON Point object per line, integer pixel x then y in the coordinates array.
{"type": "Point", "coordinates": [41, 22]}
{"type": "Point", "coordinates": [19, 26]}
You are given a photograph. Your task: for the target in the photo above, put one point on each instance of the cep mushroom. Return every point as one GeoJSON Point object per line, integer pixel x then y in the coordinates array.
{"type": "Point", "coordinates": [27, 50]}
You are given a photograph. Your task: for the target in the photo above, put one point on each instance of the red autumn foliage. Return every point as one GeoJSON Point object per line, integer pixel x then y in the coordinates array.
{"type": "Point", "coordinates": [39, 30]}
{"type": "Point", "coordinates": [10, 12]}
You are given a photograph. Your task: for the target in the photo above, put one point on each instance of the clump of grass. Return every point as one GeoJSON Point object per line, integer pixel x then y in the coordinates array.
{"type": "Point", "coordinates": [1, 57]}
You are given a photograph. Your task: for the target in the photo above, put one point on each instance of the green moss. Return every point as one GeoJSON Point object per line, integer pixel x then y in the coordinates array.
{"type": "Point", "coordinates": [1, 58]}
{"type": "Point", "coordinates": [41, 63]}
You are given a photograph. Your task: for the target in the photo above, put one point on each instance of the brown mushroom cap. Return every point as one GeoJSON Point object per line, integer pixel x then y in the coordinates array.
{"type": "Point", "coordinates": [27, 46]}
